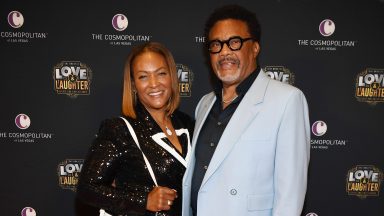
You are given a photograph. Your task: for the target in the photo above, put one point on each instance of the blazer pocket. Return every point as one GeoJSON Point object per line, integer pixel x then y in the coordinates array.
{"type": "Point", "coordinates": [259, 202]}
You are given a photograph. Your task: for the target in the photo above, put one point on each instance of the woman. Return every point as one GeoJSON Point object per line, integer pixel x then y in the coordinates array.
{"type": "Point", "coordinates": [115, 176]}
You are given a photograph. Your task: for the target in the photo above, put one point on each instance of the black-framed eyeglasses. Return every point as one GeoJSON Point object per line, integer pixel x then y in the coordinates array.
{"type": "Point", "coordinates": [234, 43]}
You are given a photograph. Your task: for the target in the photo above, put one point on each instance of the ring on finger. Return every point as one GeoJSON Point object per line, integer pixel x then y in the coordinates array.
{"type": "Point", "coordinates": [169, 202]}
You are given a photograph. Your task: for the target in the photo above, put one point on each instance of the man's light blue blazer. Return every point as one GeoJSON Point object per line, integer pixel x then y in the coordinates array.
{"type": "Point", "coordinates": [260, 165]}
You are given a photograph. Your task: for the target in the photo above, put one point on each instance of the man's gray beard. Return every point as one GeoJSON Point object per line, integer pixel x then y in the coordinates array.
{"type": "Point", "coordinates": [229, 78]}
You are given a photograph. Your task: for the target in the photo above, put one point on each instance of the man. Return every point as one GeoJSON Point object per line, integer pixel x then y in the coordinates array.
{"type": "Point", "coordinates": [251, 141]}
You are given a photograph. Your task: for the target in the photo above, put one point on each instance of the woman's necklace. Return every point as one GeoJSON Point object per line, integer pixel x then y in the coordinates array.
{"type": "Point", "coordinates": [229, 101]}
{"type": "Point", "coordinates": [169, 132]}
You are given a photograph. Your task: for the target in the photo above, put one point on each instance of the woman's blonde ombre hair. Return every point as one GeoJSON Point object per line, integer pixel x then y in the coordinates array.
{"type": "Point", "coordinates": [129, 96]}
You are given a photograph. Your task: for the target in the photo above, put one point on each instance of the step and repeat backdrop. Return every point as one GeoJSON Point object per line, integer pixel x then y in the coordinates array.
{"type": "Point", "coordinates": [61, 75]}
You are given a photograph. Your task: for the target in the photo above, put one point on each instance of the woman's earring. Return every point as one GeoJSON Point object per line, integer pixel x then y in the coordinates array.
{"type": "Point", "coordinates": [135, 95]}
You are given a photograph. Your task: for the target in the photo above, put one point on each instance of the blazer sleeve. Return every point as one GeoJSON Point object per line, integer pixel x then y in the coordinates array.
{"type": "Point", "coordinates": [292, 157]}
{"type": "Point", "coordinates": [99, 171]}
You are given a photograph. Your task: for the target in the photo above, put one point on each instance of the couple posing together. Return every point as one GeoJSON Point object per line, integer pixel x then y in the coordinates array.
{"type": "Point", "coordinates": [246, 152]}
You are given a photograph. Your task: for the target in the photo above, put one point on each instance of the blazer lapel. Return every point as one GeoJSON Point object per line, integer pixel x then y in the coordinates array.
{"type": "Point", "coordinates": [243, 116]}
{"type": "Point", "coordinates": [203, 109]}
{"type": "Point", "coordinates": [202, 113]}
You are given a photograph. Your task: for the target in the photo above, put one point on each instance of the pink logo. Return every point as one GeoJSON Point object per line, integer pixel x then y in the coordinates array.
{"type": "Point", "coordinates": [22, 121]}
{"type": "Point", "coordinates": [15, 19]}
{"type": "Point", "coordinates": [28, 211]}
{"type": "Point", "coordinates": [319, 128]}
{"type": "Point", "coordinates": [120, 22]}
{"type": "Point", "coordinates": [327, 27]}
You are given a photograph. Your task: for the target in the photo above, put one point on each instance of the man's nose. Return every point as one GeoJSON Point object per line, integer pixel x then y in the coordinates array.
{"type": "Point", "coordinates": [225, 49]}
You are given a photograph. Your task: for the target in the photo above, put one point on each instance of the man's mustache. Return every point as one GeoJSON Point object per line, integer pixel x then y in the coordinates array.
{"type": "Point", "coordinates": [230, 60]}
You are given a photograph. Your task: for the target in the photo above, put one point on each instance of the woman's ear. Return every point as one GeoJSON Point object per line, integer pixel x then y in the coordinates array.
{"type": "Point", "coordinates": [133, 87]}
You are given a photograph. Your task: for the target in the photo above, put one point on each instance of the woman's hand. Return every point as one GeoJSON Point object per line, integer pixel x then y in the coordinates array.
{"type": "Point", "coordinates": [161, 198]}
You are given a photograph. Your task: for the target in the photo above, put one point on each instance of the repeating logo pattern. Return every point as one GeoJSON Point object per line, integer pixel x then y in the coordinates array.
{"type": "Point", "coordinates": [280, 73]}
{"type": "Point", "coordinates": [120, 23]}
{"type": "Point", "coordinates": [23, 122]}
{"type": "Point", "coordinates": [16, 21]}
{"type": "Point", "coordinates": [327, 28]}
{"type": "Point", "coordinates": [68, 172]}
{"type": "Point", "coordinates": [370, 86]}
{"type": "Point", "coordinates": [319, 128]}
{"type": "Point", "coordinates": [185, 76]}
{"type": "Point", "coordinates": [72, 78]}
{"type": "Point", "coordinates": [364, 180]}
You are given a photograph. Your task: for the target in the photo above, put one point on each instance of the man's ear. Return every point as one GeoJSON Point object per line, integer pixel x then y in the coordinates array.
{"type": "Point", "coordinates": [256, 49]}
